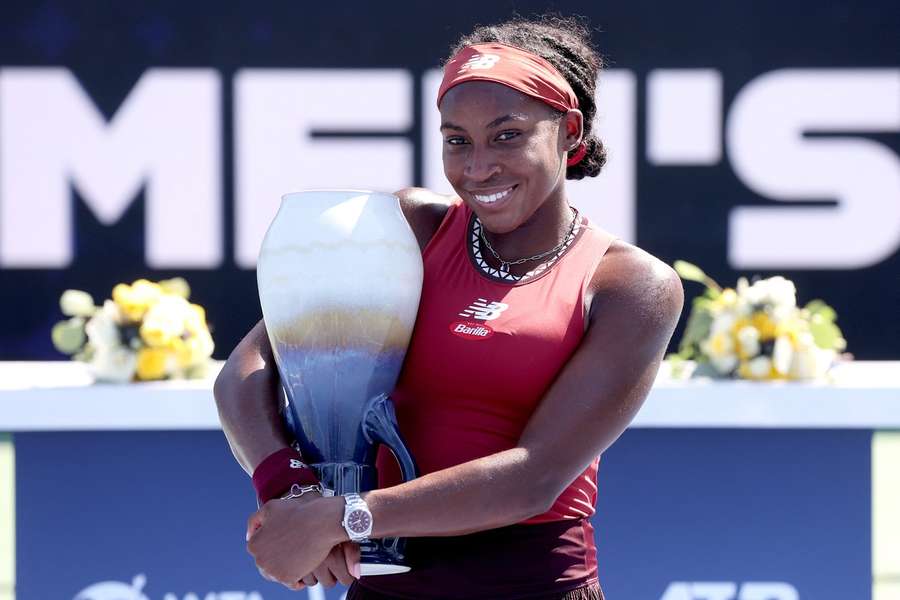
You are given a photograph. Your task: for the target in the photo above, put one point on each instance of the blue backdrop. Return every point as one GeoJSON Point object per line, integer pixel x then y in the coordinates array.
{"type": "Point", "coordinates": [677, 510]}
{"type": "Point", "coordinates": [681, 210]}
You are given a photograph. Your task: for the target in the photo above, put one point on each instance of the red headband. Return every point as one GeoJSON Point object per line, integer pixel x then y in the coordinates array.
{"type": "Point", "coordinates": [515, 68]}
{"type": "Point", "coordinates": [512, 67]}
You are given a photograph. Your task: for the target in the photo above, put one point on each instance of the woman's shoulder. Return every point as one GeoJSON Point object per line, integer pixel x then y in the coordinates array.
{"type": "Point", "coordinates": [631, 280]}
{"type": "Point", "coordinates": [424, 211]}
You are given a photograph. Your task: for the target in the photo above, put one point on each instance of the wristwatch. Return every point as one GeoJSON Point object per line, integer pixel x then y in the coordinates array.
{"type": "Point", "coordinates": [357, 518]}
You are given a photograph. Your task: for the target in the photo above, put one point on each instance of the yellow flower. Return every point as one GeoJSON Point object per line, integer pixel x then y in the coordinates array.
{"type": "Point", "coordinates": [195, 320]}
{"type": "Point", "coordinates": [152, 363]}
{"type": "Point", "coordinates": [164, 321]}
{"type": "Point", "coordinates": [727, 299]}
{"type": "Point", "coordinates": [134, 300]}
{"type": "Point", "coordinates": [791, 328]}
{"type": "Point", "coordinates": [194, 350]}
{"type": "Point", "coordinates": [176, 286]}
{"type": "Point", "coordinates": [764, 325]}
{"type": "Point", "coordinates": [747, 338]}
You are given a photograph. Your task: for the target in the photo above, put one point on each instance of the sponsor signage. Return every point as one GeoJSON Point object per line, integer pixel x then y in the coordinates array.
{"type": "Point", "coordinates": [682, 515]}
{"type": "Point", "coordinates": [119, 130]}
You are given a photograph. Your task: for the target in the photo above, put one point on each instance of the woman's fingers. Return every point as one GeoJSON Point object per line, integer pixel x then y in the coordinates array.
{"type": "Point", "coordinates": [334, 569]}
{"type": "Point", "coordinates": [254, 523]}
{"type": "Point", "coordinates": [325, 576]}
{"type": "Point", "coordinates": [351, 558]}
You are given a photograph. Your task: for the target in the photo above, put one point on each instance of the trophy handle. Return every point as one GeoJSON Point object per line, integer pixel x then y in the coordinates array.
{"type": "Point", "coordinates": [380, 426]}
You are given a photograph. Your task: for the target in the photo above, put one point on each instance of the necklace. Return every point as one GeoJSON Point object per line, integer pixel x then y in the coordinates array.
{"type": "Point", "coordinates": [506, 264]}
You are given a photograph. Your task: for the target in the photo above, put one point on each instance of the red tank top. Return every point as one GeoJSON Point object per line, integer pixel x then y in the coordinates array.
{"type": "Point", "coordinates": [484, 351]}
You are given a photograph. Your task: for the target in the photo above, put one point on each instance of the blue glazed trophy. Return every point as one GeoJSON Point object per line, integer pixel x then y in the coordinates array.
{"type": "Point", "coordinates": [339, 276]}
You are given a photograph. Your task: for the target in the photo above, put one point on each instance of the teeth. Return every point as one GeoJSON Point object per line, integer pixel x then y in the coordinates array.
{"type": "Point", "coordinates": [492, 197]}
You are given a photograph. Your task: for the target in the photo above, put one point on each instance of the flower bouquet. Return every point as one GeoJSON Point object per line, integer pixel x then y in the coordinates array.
{"type": "Point", "coordinates": [147, 331]}
{"type": "Point", "coordinates": [757, 331]}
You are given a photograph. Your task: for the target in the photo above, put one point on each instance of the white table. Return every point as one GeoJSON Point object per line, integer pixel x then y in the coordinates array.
{"type": "Point", "coordinates": [59, 396]}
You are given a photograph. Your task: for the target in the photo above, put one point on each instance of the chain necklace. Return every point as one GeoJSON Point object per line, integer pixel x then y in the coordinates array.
{"type": "Point", "coordinates": [506, 264]}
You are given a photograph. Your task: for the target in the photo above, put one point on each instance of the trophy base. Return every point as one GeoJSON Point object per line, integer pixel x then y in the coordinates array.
{"type": "Point", "coordinates": [382, 557]}
{"type": "Point", "coordinates": [368, 569]}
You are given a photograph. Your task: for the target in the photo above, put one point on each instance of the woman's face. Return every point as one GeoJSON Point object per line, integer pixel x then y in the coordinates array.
{"type": "Point", "coordinates": [504, 152]}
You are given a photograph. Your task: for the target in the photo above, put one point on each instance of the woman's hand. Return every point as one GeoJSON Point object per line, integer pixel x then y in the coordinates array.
{"type": "Point", "coordinates": [341, 566]}
{"type": "Point", "coordinates": [291, 540]}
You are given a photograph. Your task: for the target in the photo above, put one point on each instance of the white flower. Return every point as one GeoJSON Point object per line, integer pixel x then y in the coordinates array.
{"type": "Point", "coordinates": [776, 292]}
{"type": "Point", "coordinates": [810, 361]}
{"type": "Point", "coordinates": [724, 365]}
{"type": "Point", "coordinates": [102, 329]}
{"type": "Point", "coordinates": [719, 348]}
{"type": "Point", "coordinates": [783, 354]}
{"type": "Point", "coordinates": [165, 320]}
{"type": "Point", "coordinates": [75, 303]}
{"type": "Point", "coordinates": [748, 340]}
{"type": "Point", "coordinates": [759, 367]}
{"type": "Point", "coordinates": [113, 364]}
{"type": "Point", "coordinates": [723, 322]}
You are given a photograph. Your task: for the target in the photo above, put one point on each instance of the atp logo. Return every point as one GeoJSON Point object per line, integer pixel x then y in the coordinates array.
{"type": "Point", "coordinates": [728, 590]}
{"type": "Point", "coordinates": [480, 62]}
{"type": "Point", "coordinates": [482, 310]}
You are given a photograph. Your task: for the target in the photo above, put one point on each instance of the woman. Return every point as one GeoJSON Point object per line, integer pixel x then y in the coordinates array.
{"type": "Point", "coordinates": [506, 430]}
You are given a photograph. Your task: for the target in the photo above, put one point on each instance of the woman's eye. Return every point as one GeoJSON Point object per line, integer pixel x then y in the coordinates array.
{"type": "Point", "coordinates": [507, 135]}
{"type": "Point", "coordinates": [455, 141]}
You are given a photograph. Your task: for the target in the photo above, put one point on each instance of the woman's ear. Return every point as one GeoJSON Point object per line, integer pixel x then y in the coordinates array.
{"type": "Point", "coordinates": [574, 124]}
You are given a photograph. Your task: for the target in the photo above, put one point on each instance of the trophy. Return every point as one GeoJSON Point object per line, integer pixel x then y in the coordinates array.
{"type": "Point", "coordinates": [339, 276]}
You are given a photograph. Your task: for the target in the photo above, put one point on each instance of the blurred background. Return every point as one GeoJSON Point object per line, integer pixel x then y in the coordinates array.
{"type": "Point", "coordinates": [154, 139]}
{"type": "Point", "coordinates": [151, 140]}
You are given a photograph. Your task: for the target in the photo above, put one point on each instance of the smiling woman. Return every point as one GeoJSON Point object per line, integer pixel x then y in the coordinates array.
{"type": "Point", "coordinates": [537, 339]}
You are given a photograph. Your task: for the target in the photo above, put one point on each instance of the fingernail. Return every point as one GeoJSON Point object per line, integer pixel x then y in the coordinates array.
{"type": "Point", "coordinates": [356, 571]}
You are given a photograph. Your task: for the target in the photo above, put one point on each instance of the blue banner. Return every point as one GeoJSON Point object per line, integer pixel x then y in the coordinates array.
{"type": "Point", "coordinates": [682, 515]}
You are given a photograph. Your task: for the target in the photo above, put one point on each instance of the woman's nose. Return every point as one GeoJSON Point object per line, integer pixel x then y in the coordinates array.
{"type": "Point", "coordinates": [481, 165]}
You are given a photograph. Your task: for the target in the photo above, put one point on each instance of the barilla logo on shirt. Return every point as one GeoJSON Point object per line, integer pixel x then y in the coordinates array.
{"type": "Point", "coordinates": [480, 310]}
{"type": "Point", "coordinates": [471, 331]}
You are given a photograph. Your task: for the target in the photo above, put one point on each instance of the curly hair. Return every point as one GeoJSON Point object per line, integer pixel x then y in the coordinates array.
{"type": "Point", "coordinates": [566, 44]}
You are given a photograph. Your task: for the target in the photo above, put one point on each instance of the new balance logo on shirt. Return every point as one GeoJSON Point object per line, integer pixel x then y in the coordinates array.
{"type": "Point", "coordinates": [480, 310]}
{"type": "Point", "coordinates": [483, 310]}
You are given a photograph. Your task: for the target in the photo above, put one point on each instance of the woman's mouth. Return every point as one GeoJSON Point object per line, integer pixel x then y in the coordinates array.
{"type": "Point", "coordinates": [493, 198]}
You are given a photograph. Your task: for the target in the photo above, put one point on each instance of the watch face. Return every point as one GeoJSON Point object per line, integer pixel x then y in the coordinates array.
{"type": "Point", "coordinates": [359, 521]}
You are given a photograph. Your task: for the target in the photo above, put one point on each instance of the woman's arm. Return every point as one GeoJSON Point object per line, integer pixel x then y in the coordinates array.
{"type": "Point", "coordinates": [247, 392]}
{"type": "Point", "coordinates": [637, 302]}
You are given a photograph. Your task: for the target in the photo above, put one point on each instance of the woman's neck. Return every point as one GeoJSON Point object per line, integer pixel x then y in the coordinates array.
{"type": "Point", "coordinates": [547, 228]}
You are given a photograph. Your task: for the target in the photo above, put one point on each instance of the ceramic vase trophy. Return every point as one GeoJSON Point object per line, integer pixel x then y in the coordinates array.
{"type": "Point", "coordinates": [339, 278]}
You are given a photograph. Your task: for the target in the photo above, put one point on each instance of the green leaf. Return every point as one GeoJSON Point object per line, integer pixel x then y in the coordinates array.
{"type": "Point", "coordinates": [689, 271]}
{"type": "Point", "coordinates": [76, 303]}
{"type": "Point", "coordinates": [819, 308]}
{"type": "Point", "coordinates": [695, 331]}
{"type": "Point", "coordinates": [68, 336]}
{"type": "Point", "coordinates": [826, 334]}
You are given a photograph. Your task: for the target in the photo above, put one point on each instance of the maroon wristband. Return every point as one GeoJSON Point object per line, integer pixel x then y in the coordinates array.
{"type": "Point", "coordinates": [278, 472]}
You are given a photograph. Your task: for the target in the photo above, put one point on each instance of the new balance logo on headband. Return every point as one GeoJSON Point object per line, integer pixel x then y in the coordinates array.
{"type": "Point", "coordinates": [479, 61]}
